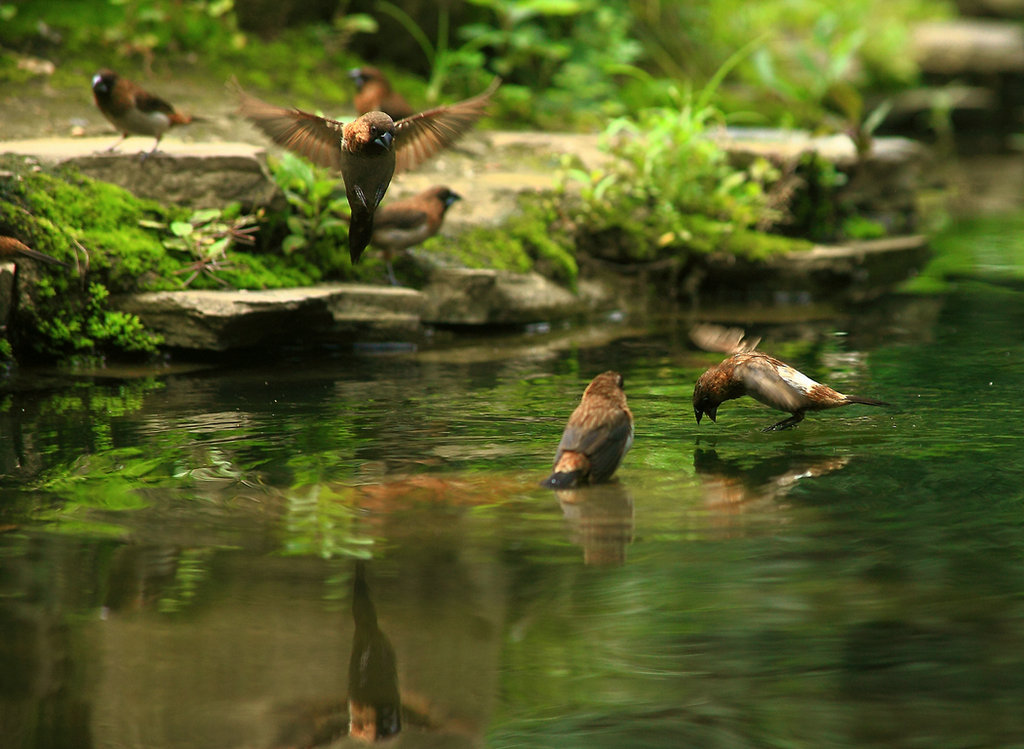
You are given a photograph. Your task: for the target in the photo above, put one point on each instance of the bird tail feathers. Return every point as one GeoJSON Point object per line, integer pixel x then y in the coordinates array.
{"type": "Point", "coordinates": [359, 233]}
{"type": "Point", "coordinates": [865, 401]}
{"type": "Point", "coordinates": [177, 118]}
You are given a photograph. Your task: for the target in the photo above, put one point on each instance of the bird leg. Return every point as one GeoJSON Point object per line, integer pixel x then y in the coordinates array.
{"type": "Point", "coordinates": [391, 271]}
{"type": "Point", "coordinates": [116, 144]}
{"type": "Point", "coordinates": [150, 152]}
{"type": "Point", "coordinates": [789, 423]}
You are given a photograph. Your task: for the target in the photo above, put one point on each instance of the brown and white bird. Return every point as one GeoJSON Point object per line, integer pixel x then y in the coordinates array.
{"type": "Point", "coordinates": [598, 435]}
{"type": "Point", "coordinates": [367, 151]}
{"type": "Point", "coordinates": [374, 93]}
{"type": "Point", "coordinates": [11, 248]}
{"type": "Point", "coordinates": [764, 378]}
{"type": "Point", "coordinates": [133, 110]}
{"type": "Point", "coordinates": [405, 223]}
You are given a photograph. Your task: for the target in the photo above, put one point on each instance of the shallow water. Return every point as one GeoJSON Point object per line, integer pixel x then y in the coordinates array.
{"type": "Point", "coordinates": [179, 546]}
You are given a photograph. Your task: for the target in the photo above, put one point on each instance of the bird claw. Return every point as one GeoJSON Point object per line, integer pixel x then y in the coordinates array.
{"type": "Point", "coordinates": [789, 423]}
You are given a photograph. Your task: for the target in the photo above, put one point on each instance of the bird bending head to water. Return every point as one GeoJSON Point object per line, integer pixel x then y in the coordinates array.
{"type": "Point", "coordinates": [764, 378]}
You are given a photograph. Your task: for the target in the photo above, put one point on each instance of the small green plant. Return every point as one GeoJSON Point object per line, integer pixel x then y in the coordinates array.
{"type": "Point", "coordinates": [316, 230]}
{"type": "Point", "coordinates": [671, 187]}
{"type": "Point", "coordinates": [206, 236]}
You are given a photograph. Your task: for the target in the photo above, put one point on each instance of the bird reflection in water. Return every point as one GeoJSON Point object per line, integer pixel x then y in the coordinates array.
{"type": "Point", "coordinates": [600, 519]}
{"type": "Point", "coordinates": [733, 486]}
{"type": "Point", "coordinates": [374, 703]}
{"type": "Point", "coordinates": [373, 709]}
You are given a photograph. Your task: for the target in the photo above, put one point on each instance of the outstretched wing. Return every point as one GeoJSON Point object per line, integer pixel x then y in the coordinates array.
{"type": "Point", "coordinates": [317, 138]}
{"type": "Point", "coordinates": [718, 338]}
{"type": "Point", "coordinates": [423, 135]}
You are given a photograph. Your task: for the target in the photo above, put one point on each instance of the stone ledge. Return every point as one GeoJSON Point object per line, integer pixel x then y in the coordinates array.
{"type": "Point", "coordinates": [968, 46]}
{"type": "Point", "coordinates": [223, 320]}
{"type": "Point", "coordinates": [200, 175]}
{"type": "Point", "coordinates": [855, 270]}
{"type": "Point", "coordinates": [463, 296]}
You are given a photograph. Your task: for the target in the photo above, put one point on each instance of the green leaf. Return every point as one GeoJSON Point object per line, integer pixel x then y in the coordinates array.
{"type": "Point", "coordinates": [204, 215]}
{"type": "Point", "coordinates": [181, 228]}
{"type": "Point", "coordinates": [292, 243]}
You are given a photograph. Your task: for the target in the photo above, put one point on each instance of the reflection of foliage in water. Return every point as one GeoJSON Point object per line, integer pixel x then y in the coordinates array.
{"type": "Point", "coordinates": [192, 568]}
{"type": "Point", "coordinates": [319, 521]}
{"type": "Point", "coordinates": [988, 248]}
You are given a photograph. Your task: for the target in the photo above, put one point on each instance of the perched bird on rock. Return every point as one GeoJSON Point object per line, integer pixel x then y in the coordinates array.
{"type": "Point", "coordinates": [405, 223]}
{"type": "Point", "coordinates": [762, 377]}
{"type": "Point", "coordinates": [368, 150]}
{"type": "Point", "coordinates": [132, 110]}
{"type": "Point", "coordinates": [11, 247]}
{"type": "Point", "coordinates": [374, 94]}
{"type": "Point", "coordinates": [598, 435]}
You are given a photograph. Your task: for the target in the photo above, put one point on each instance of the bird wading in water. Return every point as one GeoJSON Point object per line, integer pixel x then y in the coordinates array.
{"type": "Point", "coordinates": [598, 435]}
{"type": "Point", "coordinates": [764, 378]}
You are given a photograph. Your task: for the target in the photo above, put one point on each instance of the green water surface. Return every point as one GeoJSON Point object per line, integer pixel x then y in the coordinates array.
{"type": "Point", "coordinates": [178, 548]}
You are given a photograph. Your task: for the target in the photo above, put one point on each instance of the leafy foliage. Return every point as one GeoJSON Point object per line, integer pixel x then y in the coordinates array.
{"type": "Point", "coordinates": [317, 234]}
{"type": "Point", "coordinates": [672, 190]}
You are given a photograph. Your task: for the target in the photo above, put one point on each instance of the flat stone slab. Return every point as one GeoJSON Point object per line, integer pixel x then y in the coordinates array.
{"type": "Point", "coordinates": [854, 270]}
{"type": "Point", "coordinates": [968, 45]}
{"type": "Point", "coordinates": [201, 175]}
{"type": "Point", "coordinates": [224, 320]}
{"type": "Point", "coordinates": [782, 146]}
{"type": "Point", "coordinates": [464, 296]}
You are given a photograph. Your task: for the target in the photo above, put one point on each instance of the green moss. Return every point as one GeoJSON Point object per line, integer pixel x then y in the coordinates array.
{"type": "Point", "coordinates": [113, 243]}
{"type": "Point", "coordinates": [533, 238]}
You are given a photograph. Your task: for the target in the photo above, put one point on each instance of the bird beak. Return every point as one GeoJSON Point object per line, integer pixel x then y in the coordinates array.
{"type": "Point", "coordinates": [712, 413]}
{"type": "Point", "coordinates": [452, 197]}
{"type": "Point", "coordinates": [354, 74]}
{"type": "Point", "coordinates": [384, 140]}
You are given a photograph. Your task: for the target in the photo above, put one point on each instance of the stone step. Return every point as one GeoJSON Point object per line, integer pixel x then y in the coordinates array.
{"type": "Point", "coordinates": [215, 320]}
{"type": "Point", "coordinates": [200, 175]}
{"type": "Point", "coordinates": [969, 46]}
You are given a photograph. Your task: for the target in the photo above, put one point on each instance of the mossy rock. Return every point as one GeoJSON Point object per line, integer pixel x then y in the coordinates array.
{"type": "Point", "coordinates": [112, 243]}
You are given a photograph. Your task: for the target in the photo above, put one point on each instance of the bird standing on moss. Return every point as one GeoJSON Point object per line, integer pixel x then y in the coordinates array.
{"type": "Point", "coordinates": [598, 435]}
{"type": "Point", "coordinates": [764, 378]}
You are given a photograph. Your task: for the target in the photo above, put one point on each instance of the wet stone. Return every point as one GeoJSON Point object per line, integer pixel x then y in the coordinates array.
{"type": "Point", "coordinates": [224, 320]}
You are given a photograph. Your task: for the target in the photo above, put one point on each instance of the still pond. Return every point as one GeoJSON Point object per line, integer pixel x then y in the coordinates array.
{"type": "Point", "coordinates": [179, 552]}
